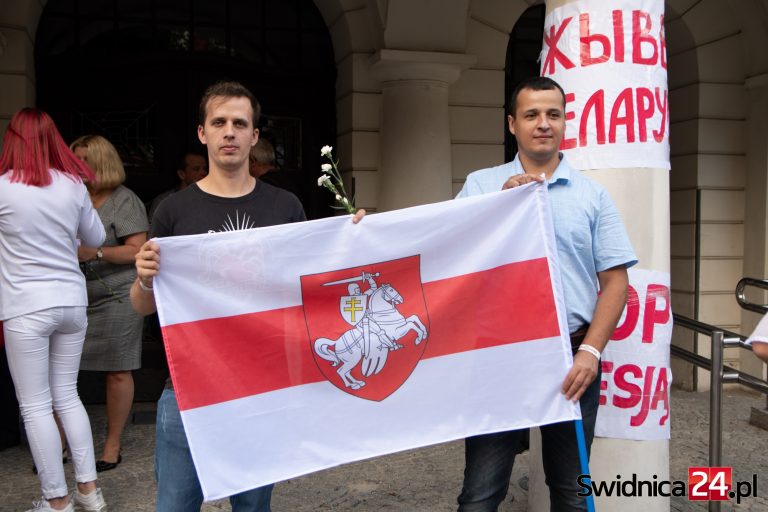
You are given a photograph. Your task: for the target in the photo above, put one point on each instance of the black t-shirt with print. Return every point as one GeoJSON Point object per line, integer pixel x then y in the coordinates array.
{"type": "Point", "coordinates": [192, 211]}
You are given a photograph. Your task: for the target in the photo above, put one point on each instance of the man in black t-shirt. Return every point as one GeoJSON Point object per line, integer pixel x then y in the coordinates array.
{"type": "Point", "coordinates": [193, 211]}
{"type": "Point", "coordinates": [229, 198]}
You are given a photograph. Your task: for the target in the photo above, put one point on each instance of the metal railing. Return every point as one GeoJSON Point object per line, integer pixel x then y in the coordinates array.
{"type": "Point", "coordinates": [741, 296]}
{"type": "Point", "coordinates": [722, 374]}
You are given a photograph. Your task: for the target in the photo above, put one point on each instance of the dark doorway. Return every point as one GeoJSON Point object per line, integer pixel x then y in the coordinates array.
{"type": "Point", "coordinates": [134, 70]}
{"type": "Point", "coordinates": [523, 50]}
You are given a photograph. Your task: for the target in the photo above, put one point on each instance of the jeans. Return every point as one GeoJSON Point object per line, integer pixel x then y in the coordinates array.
{"type": "Point", "coordinates": [490, 457]}
{"type": "Point", "coordinates": [178, 489]}
{"type": "Point", "coordinates": [44, 351]}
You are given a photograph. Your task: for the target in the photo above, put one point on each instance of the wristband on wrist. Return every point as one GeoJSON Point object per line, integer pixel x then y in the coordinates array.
{"type": "Point", "coordinates": [145, 287]}
{"type": "Point", "coordinates": [589, 348]}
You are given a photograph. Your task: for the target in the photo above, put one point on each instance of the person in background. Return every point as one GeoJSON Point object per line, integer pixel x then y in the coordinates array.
{"type": "Point", "coordinates": [262, 164]}
{"type": "Point", "coordinates": [45, 212]}
{"type": "Point", "coordinates": [113, 340]}
{"type": "Point", "coordinates": [191, 168]}
{"type": "Point", "coordinates": [261, 159]}
{"type": "Point", "coordinates": [759, 339]}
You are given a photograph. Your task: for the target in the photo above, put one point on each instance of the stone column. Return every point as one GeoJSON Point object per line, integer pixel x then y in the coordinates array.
{"type": "Point", "coordinates": [756, 210]}
{"type": "Point", "coordinates": [415, 139]}
{"type": "Point", "coordinates": [642, 197]}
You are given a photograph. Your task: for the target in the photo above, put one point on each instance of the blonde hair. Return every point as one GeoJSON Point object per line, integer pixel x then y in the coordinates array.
{"type": "Point", "coordinates": [104, 161]}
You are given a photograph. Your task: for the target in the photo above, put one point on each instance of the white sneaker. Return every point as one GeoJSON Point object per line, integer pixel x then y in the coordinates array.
{"type": "Point", "coordinates": [91, 502]}
{"type": "Point", "coordinates": [44, 506]}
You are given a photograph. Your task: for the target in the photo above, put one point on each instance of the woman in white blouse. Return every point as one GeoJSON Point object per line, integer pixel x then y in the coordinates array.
{"type": "Point", "coordinates": [45, 212]}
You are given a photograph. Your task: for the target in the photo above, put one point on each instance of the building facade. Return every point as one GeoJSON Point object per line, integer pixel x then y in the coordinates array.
{"type": "Point", "coordinates": [419, 99]}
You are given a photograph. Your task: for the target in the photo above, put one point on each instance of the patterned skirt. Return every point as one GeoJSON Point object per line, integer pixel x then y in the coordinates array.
{"type": "Point", "coordinates": [113, 339]}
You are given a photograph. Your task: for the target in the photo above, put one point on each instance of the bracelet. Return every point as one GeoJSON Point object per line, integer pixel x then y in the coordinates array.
{"type": "Point", "coordinates": [145, 287]}
{"type": "Point", "coordinates": [589, 348]}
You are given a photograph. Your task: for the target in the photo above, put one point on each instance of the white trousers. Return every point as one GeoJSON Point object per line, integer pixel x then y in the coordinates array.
{"type": "Point", "coordinates": [44, 350]}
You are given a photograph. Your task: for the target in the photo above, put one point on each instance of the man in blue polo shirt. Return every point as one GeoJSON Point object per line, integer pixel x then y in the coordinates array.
{"type": "Point", "coordinates": [594, 253]}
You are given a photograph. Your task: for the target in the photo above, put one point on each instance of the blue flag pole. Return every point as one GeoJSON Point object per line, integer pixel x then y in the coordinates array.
{"type": "Point", "coordinates": [584, 460]}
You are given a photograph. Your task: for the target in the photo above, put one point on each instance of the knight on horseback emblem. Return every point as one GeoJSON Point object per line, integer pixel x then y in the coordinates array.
{"type": "Point", "coordinates": [376, 325]}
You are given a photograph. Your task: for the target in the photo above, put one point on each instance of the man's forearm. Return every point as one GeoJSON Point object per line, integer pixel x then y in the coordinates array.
{"type": "Point", "coordinates": [143, 301]}
{"type": "Point", "coordinates": [610, 304]}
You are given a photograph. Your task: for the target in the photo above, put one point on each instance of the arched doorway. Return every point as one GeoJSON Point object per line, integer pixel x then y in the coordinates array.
{"type": "Point", "coordinates": [523, 50]}
{"type": "Point", "coordinates": [134, 70]}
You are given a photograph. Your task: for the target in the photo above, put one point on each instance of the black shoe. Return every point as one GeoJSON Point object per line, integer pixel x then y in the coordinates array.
{"type": "Point", "coordinates": [64, 460]}
{"type": "Point", "coordinates": [102, 465]}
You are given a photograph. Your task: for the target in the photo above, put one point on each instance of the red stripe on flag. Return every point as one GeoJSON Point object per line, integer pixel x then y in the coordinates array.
{"type": "Point", "coordinates": [222, 359]}
{"type": "Point", "coordinates": [504, 305]}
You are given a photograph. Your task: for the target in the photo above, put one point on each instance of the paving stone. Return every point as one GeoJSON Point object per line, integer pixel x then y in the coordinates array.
{"type": "Point", "coordinates": [427, 479]}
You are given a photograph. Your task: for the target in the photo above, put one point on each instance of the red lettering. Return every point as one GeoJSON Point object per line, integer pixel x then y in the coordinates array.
{"type": "Point", "coordinates": [595, 102]}
{"type": "Point", "coordinates": [640, 35]}
{"type": "Point", "coordinates": [553, 53]}
{"type": "Point", "coordinates": [631, 315]}
{"type": "Point", "coordinates": [628, 119]}
{"type": "Point", "coordinates": [606, 367]}
{"type": "Point", "coordinates": [645, 111]}
{"type": "Point", "coordinates": [618, 36]}
{"type": "Point", "coordinates": [662, 44]}
{"type": "Point", "coordinates": [633, 389]}
{"type": "Point", "coordinates": [661, 394]}
{"type": "Point", "coordinates": [648, 401]}
{"type": "Point", "coordinates": [570, 115]}
{"type": "Point", "coordinates": [632, 109]}
{"type": "Point", "coordinates": [653, 316]}
{"type": "Point", "coordinates": [586, 39]}
{"type": "Point", "coordinates": [639, 418]}
{"type": "Point", "coordinates": [658, 135]}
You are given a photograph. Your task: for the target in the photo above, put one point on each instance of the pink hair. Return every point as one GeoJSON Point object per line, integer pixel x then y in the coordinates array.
{"type": "Point", "coordinates": [33, 147]}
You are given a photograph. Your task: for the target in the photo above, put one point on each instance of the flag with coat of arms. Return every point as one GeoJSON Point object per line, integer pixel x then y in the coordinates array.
{"type": "Point", "coordinates": [300, 347]}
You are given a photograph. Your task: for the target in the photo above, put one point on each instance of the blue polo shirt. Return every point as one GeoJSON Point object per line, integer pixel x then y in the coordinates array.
{"type": "Point", "coordinates": [589, 233]}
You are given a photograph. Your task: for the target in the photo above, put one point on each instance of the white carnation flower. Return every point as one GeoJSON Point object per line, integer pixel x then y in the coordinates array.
{"type": "Point", "coordinates": [326, 150]}
{"type": "Point", "coordinates": [322, 179]}
{"type": "Point", "coordinates": [326, 167]}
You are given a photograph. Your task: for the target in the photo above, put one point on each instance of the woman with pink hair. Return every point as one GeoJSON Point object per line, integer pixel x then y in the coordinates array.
{"type": "Point", "coordinates": [45, 212]}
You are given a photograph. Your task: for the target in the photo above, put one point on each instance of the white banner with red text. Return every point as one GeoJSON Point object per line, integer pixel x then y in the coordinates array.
{"type": "Point", "coordinates": [611, 61]}
{"type": "Point", "coordinates": [634, 396]}
{"type": "Point", "coordinates": [300, 347]}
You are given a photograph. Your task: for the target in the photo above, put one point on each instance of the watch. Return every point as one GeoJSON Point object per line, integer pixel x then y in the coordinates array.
{"type": "Point", "coordinates": [99, 254]}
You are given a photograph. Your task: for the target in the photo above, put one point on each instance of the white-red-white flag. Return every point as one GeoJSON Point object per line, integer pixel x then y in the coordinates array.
{"type": "Point", "coordinates": [300, 347]}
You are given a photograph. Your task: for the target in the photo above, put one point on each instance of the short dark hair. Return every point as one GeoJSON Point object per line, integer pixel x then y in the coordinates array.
{"type": "Point", "coordinates": [227, 89]}
{"type": "Point", "coordinates": [181, 159]}
{"type": "Point", "coordinates": [536, 83]}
